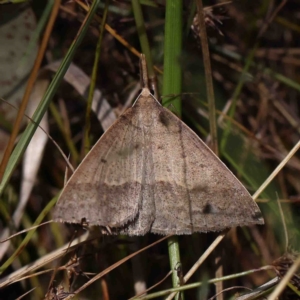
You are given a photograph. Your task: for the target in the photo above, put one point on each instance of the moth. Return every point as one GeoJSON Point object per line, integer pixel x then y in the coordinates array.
{"type": "Point", "coordinates": [149, 172]}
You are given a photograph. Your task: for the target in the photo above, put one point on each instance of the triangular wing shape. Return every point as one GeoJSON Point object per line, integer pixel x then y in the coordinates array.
{"type": "Point", "coordinates": [194, 190]}
{"type": "Point", "coordinates": [106, 187]}
{"type": "Point", "coordinates": [186, 187]}
{"type": "Point", "coordinates": [151, 172]}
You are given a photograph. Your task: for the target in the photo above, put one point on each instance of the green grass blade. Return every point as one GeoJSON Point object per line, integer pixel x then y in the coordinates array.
{"type": "Point", "coordinates": [43, 106]}
{"type": "Point", "coordinates": [172, 85]}
{"type": "Point", "coordinates": [172, 51]}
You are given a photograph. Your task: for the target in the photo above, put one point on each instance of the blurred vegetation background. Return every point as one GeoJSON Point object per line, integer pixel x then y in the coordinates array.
{"type": "Point", "coordinates": [255, 59]}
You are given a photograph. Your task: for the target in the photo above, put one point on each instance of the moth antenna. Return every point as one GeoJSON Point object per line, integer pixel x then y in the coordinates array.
{"type": "Point", "coordinates": [144, 72]}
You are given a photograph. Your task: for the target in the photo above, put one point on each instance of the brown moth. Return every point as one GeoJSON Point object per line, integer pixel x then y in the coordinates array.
{"type": "Point", "coordinates": [149, 172]}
